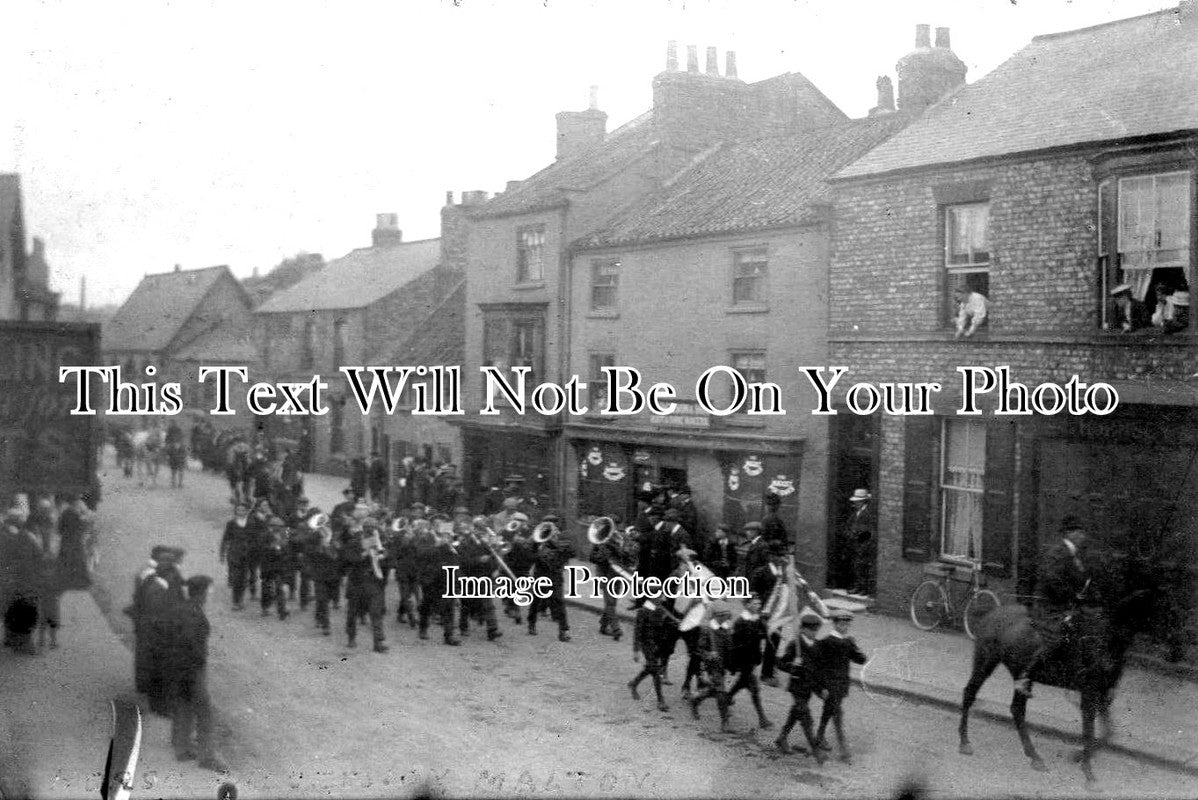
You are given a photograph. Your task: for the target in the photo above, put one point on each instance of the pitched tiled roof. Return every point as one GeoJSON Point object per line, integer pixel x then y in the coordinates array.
{"type": "Point", "coordinates": [220, 345]}
{"type": "Point", "coordinates": [357, 279]}
{"type": "Point", "coordinates": [440, 338]}
{"type": "Point", "coordinates": [549, 187]}
{"type": "Point", "coordinates": [1133, 77]}
{"type": "Point", "coordinates": [152, 316]}
{"type": "Point", "coordinates": [10, 197]}
{"type": "Point", "coordinates": [758, 184]}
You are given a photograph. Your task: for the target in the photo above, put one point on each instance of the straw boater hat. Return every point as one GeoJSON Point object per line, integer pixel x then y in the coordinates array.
{"type": "Point", "coordinates": [860, 496]}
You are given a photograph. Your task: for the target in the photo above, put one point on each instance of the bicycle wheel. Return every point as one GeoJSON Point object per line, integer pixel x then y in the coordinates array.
{"type": "Point", "coordinates": [929, 605]}
{"type": "Point", "coordinates": [982, 603]}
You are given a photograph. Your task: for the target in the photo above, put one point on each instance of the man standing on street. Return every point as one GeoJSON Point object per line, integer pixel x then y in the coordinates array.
{"type": "Point", "coordinates": [189, 657]}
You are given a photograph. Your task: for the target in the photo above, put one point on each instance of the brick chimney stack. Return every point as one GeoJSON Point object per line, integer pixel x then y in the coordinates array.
{"type": "Point", "coordinates": [693, 110]}
{"type": "Point", "coordinates": [580, 130]}
{"type": "Point", "coordinates": [927, 74]}
{"type": "Point", "coordinates": [692, 58]}
{"type": "Point", "coordinates": [730, 64]}
{"type": "Point", "coordinates": [672, 56]}
{"type": "Point", "coordinates": [713, 63]}
{"type": "Point", "coordinates": [386, 231]}
{"type": "Point", "coordinates": [885, 97]}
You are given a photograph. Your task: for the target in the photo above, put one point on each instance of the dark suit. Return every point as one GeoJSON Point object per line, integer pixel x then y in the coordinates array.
{"type": "Point", "coordinates": [236, 544]}
{"type": "Point", "coordinates": [834, 654]}
{"type": "Point", "coordinates": [721, 557]}
{"type": "Point", "coordinates": [189, 681]}
{"type": "Point", "coordinates": [799, 659]}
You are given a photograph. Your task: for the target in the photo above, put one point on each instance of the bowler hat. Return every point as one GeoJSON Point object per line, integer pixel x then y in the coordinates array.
{"type": "Point", "coordinates": [811, 620]}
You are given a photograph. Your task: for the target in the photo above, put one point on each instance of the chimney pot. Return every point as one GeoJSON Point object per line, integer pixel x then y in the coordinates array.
{"type": "Point", "coordinates": [730, 65]}
{"type": "Point", "coordinates": [178, 268]}
{"type": "Point", "coordinates": [885, 96]}
{"type": "Point", "coordinates": [923, 36]}
{"type": "Point", "coordinates": [692, 58]}
{"type": "Point", "coordinates": [713, 63]}
{"type": "Point", "coordinates": [594, 106]}
{"type": "Point", "coordinates": [672, 56]}
{"type": "Point", "coordinates": [449, 197]}
{"type": "Point", "coordinates": [942, 38]}
{"type": "Point", "coordinates": [386, 230]}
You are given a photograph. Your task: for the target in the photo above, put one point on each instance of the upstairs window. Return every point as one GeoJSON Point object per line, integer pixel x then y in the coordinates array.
{"type": "Point", "coordinates": [339, 343]}
{"type": "Point", "coordinates": [597, 380]}
{"type": "Point", "coordinates": [530, 254]}
{"type": "Point", "coordinates": [605, 281]}
{"type": "Point", "coordinates": [749, 268]}
{"type": "Point", "coordinates": [966, 260]}
{"type": "Point", "coordinates": [1144, 251]}
{"type": "Point", "coordinates": [308, 344]}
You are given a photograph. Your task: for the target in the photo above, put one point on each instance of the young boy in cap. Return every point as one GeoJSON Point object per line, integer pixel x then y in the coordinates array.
{"type": "Point", "coordinates": [715, 647]}
{"type": "Point", "coordinates": [235, 546]}
{"type": "Point", "coordinates": [835, 653]}
{"type": "Point", "coordinates": [799, 659]}
{"type": "Point", "coordinates": [651, 632]}
{"type": "Point", "coordinates": [748, 636]}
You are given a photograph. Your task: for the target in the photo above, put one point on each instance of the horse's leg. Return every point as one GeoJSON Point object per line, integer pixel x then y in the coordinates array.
{"type": "Point", "coordinates": [1018, 713]}
{"type": "Point", "coordinates": [984, 664]}
{"type": "Point", "coordinates": [1089, 708]}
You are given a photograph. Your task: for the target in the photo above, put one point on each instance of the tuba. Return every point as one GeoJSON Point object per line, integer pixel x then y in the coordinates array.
{"type": "Point", "coordinates": [317, 521]}
{"type": "Point", "coordinates": [513, 527]}
{"type": "Point", "coordinates": [601, 530]}
{"type": "Point", "coordinates": [545, 532]}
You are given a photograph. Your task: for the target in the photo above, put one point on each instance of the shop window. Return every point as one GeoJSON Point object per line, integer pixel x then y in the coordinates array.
{"type": "Point", "coordinates": [967, 264]}
{"type": "Point", "coordinates": [530, 254]}
{"type": "Point", "coordinates": [605, 281]}
{"type": "Point", "coordinates": [749, 269]}
{"type": "Point", "coordinates": [1144, 251]}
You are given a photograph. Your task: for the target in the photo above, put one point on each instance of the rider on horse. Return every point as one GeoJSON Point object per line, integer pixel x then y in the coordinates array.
{"type": "Point", "coordinates": [1063, 584]}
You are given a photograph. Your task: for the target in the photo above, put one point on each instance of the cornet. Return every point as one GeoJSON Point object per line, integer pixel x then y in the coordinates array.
{"type": "Point", "coordinates": [544, 532]}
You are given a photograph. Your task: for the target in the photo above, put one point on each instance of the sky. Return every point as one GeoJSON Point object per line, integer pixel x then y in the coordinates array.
{"type": "Point", "coordinates": [150, 134]}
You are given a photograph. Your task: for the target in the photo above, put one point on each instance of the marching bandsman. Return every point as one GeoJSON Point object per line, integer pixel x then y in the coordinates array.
{"type": "Point", "coordinates": [650, 634]}
{"type": "Point", "coordinates": [550, 559]}
{"type": "Point", "coordinates": [499, 522]}
{"type": "Point", "coordinates": [300, 582]}
{"type": "Point", "coordinates": [435, 552]}
{"type": "Point", "coordinates": [405, 560]}
{"type": "Point", "coordinates": [365, 583]}
{"type": "Point", "coordinates": [259, 536]}
{"type": "Point", "coordinates": [604, 555]}
{"type": "Point", "coordinates": [836, 652]}
{"type": "Point", "coordinates": [275, 560]}
{"type": "Point", "coordinates": [680, 537]}
{"type": "Point", "coordinates": [235, 546]}
{"type": "Point", "coordinates": [715, 648]}
{"type": "Point", "coordinates": [520, 558]}
{"type": "Point", "coordinates": [799, 659]}
{"type": "Point", "coordinates": [323, 562]}
{"type": "Point", "coordinates": [477, 561]}
{"type": "Point", "coordinates": [758, 552]}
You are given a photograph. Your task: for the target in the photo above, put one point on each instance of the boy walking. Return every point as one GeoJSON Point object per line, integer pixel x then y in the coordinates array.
{"type": "Point", "coordinates": [836, 653]}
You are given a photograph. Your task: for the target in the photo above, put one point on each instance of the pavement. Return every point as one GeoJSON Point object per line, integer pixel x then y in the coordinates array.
{"type": "Point", "coordinates": [55, 713]}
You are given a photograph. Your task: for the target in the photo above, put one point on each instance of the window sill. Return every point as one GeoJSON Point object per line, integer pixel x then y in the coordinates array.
{"type": "Point", "coordinates": [603, 313]}
{"type": "Point", "coordinates": [529, 286]}
{"type": "Point", "coordinates": [748, 308]}
{"type": "Point", "coordinates": [739, 421]}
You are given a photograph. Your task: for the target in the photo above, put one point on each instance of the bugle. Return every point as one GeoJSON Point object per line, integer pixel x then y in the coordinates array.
{"type": "Point", "coordinates": [544, 532]}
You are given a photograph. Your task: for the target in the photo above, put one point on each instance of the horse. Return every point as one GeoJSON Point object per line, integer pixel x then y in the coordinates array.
{"type": "Point", "coordinates": [147, 454]}
{"type": "Point", "coordinates": [1090, 660]}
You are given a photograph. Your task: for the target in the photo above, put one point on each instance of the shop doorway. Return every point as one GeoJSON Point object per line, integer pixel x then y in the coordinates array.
{"type": "Point", "coordinates": [854, 465]}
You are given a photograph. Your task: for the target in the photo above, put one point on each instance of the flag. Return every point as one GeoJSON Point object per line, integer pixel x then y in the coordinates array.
{"type": "Point", "coordinates": [782, 608]}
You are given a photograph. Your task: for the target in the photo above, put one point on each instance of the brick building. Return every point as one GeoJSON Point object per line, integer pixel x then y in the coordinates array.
{"type": "Point", "coordinates": [518, 287]}
{"type": "Point", "coordinates": [1065, 173]}
{"type": "Point", "coordinates": [177, 321]}
{"type": "Point", "coordinates": [356, 311]}
{"type": "Point", "coordinates": [24, 275]}
{"type": "Point", "coordinates": [727, 265]}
